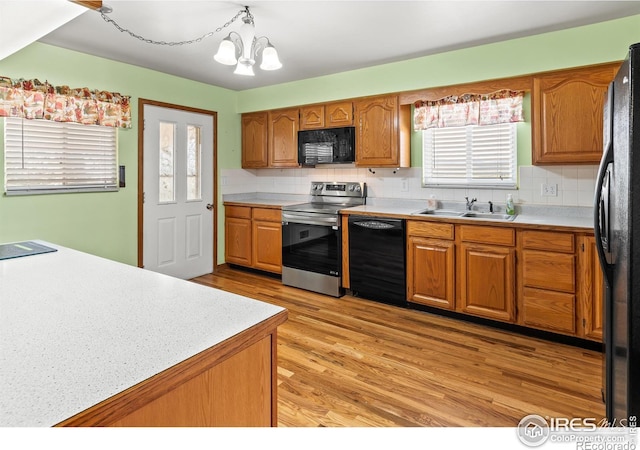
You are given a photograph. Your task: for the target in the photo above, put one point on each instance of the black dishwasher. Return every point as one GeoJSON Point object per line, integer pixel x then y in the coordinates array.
{"type": "Point", "coordinates": [377, 259]}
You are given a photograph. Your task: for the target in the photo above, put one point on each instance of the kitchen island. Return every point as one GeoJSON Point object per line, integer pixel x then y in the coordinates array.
{"type": "Point", "coordinates": [86, 341]}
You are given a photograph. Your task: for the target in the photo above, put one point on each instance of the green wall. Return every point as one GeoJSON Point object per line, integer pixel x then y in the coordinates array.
{"type": "Point", "coordinates": [603, 42]}
{"type": "Point", "coordinates": [106, 224]}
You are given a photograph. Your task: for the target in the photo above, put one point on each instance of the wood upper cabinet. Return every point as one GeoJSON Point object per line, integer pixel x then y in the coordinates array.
{"type": "Point", "coordinates": [377, 132]}
{"type": "Point", "coordinates": [330, 115]}
{"type": "Point", "coordinates": [487, 272]}
{"type": "Point", "coordinates": [283, 137]}
{"type": "Point", "coordinates": [254, 140]}
{"type": "Point", "coordinates": [312, 117]}
{"type": "Point", "coordinates": [567, 114]}
{"type": "Point", "coordinates": [547, 286]}
{"type": "Point", "coordinates": [591, 291]}
{"type": "Point", "coordinates": [431, 264]}
{"type": "Point", "coordinates": [338, 114]}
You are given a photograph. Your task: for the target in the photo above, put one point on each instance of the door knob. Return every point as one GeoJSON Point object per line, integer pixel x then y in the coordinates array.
{"type": "Point", "coordinates": [209, 206]}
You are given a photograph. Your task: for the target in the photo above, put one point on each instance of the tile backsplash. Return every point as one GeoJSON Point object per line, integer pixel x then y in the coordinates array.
{"type": "Point", "coordinates": [575, 185]}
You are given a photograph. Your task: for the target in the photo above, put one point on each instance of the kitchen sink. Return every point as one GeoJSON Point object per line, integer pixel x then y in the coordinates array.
{"type": "Point", "coordinates": [490, 216]}
{"type": "Point", "coordinates": [438, 212]}
{"type": "Point", "coordinates": [464, 214]}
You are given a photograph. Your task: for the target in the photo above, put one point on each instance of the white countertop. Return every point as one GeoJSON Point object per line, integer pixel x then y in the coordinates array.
{"type": "Point", "coordinates": [265, 202]}
{"type": "Point", "coordinates": [76, 329]}
{"type": "Point", "coordinates": [266, 199]}
{"type": "Point", "coordinates": [384, 209]}
{"type": "Point", "coordinates": [532, 215]}
{"type": "Point", "coordinates": [555, 221]}
{"type": "Point", "coordinates": [529, 219]}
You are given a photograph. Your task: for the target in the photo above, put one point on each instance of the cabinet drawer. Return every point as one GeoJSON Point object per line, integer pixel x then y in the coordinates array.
{"type": "Point", "coordinates": [554, 311]}
{"type": "Point", "coordinates": [430, 229]}
{"type": "Point", "coordinates": [548, 240]}
{"type": "Point", "coordinates": [241, 212]}
{"type": "Point", "coordinates": [269, 215]}
{"type": "Point", "coordinates": [487, 235]}
{"type": "Point", "coordinates": [555, 271]}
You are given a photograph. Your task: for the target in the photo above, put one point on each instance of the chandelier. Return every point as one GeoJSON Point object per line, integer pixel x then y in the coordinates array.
{"type": "Point", "coordinates": [240, 49]}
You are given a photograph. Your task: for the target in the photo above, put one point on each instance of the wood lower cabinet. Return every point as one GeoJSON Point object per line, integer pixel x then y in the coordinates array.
{"type": "Point", "coordinates": [487, 272]}
{"type": "Point", "coordinates": [267, 240]}
{"type": "Point", "coordinates": [237, 233]}
{"type": "Point", "coordinates": [233, 393]}
{"type": "Point", "coordinates": [547, 284]}
{"type": "Point", "coordinates": [537, 278]}
{"type": "Point", "coordinates": [253, 237]}
{"type": "Point", "coordinates": [487, 281]}
{"type": "Point", "coordinates": [431, 264]}
{"type": "Point", "coordinates": [591, 289]}
{"type": "Point", "coordinates": [567, 114]}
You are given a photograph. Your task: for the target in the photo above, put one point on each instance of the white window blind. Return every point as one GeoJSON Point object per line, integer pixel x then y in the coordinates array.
{"type": "Point", "coordinates": [43, 156]}
{"type": "Point", "coordinates": [473, 156]}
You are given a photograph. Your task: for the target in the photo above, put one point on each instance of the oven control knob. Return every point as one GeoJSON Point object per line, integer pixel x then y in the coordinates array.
{"type": "Point", "coordinates": [351, 187]}
{"type": "Point", "coordinates": [357, 188]}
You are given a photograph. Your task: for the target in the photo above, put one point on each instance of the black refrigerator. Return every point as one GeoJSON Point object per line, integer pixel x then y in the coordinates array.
{"type": "Point", "coordinates": [617, 233]}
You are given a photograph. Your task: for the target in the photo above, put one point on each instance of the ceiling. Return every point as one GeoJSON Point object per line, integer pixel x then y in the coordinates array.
{"type": "Point", "coordinates": [34, 22]}
{"type": "Point", "coordinates": [316, 38]}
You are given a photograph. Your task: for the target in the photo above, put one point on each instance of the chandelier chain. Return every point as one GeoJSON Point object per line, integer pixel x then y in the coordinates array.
{"type": "Point", "coordinates": [151, 41]}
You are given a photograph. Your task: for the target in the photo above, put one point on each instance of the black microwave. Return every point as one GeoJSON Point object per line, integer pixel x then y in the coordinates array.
{"type": "Point", "coordinates": [326, 146]}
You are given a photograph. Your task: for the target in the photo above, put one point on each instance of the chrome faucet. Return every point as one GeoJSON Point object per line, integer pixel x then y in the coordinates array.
{"type": "Point", "coordinates": [490, 206]}
{"type": "Point", "coordinates": [470, 202]}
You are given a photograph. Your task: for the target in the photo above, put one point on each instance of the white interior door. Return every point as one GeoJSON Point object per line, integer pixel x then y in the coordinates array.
{"type": "Point", "coordinates": [178, 192]}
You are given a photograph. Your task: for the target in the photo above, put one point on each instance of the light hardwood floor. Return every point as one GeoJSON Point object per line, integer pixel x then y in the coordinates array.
{"type": "Point", "coordinates": [355, 362]}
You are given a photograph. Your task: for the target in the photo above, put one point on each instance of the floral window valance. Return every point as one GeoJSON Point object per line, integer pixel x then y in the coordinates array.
{"type": "Point", "coordinates": [469, 109]}
{"type": "Point", "coordinates": [31, 99]}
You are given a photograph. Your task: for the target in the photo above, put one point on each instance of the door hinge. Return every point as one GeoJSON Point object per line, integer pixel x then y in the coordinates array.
{"type": "Point", "coordinates": [582, 245]}
{"type": "Point", "coordinates": [144, 196]}
{"type": "Point", "coordinates": [584, 323]}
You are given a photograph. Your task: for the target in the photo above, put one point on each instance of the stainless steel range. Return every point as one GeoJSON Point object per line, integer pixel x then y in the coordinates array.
{"type": "Point", "coordinates": [312, 237]}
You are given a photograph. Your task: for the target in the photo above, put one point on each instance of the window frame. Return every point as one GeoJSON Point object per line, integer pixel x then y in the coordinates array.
{"type": "Point", "coordinates": [53, 141]}
{"type": "Point", "coordinates": [467, 182]}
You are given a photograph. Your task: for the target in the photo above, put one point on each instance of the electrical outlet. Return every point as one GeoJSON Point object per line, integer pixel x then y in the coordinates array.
{"type": "Point", "coordinates": [404, 186]}
{"type": "Point", "coordinates": [549, 190]}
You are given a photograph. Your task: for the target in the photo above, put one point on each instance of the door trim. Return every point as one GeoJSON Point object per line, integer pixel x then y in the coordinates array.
{"type": "Point", "coordinates": [141, 103]}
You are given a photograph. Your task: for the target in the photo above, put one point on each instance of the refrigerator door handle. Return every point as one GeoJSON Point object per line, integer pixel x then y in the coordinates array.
{"type": "Point", "coordinates": [601, 213]}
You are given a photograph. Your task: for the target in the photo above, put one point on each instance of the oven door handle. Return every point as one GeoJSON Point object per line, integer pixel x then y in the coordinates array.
{"type": "Point", "coordinates": [321, 221]}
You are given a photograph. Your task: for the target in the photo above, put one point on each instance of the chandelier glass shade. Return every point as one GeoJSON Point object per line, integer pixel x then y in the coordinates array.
{"type": "Point", "coordinates": [241, 49]}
